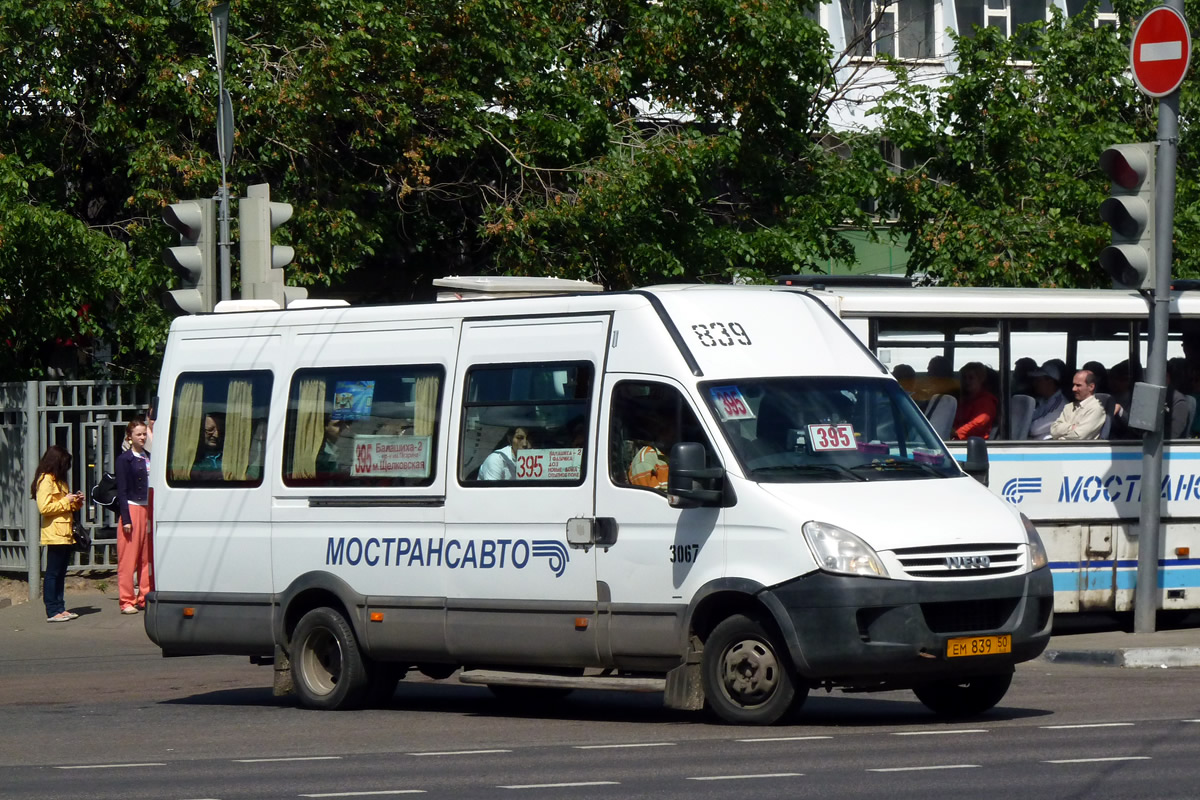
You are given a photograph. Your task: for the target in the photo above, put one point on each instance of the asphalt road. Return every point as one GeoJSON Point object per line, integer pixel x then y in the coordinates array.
{"type": "Point", "coordinates": [94, 712]}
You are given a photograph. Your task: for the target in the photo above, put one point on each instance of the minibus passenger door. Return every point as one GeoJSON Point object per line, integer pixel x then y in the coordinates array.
{"type": "Point", "coordinates": [518, 590]}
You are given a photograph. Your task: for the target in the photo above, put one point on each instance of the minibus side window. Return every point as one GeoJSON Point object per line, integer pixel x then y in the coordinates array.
{"type": "Point", "coordinates": [218, 429]}
{"type": "Point", "coordinates": [362, 426]}
{"type": "Point", "coordinates": [526, 424]}
{"type": "Point", "coordinates": [647, 420]}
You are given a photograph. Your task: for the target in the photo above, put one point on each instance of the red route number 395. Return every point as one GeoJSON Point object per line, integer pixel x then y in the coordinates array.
{"type": "Point", "coordinates": [832, 437]}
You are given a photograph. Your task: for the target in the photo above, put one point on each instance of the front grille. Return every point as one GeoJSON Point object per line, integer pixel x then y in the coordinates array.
{"type": "Point", "coordinates": [969, 617]}
{"type": "Point", "coordinates": [961, 561]}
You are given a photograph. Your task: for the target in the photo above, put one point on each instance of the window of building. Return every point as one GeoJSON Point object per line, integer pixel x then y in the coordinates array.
{"type": "Point", "coordinates": [904, 29]}
{"type": "Point", "coordinates": [647, 420]}
{"type": "Point", "coordinates": [1005, 15]}
{"type": "Point", "coordinates": [218, 429]}
{"type": "Point", "coordinates": [362, 426]}
{"type": "Point", "coordinates": [526, 424]}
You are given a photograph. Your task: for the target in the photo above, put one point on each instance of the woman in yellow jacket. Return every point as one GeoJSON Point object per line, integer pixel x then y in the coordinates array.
{"type": "Point", "coordinates": [57, 507]}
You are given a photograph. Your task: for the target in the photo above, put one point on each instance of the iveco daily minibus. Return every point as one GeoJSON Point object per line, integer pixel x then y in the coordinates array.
{"type": "Point", "coordinates": [713, 492]}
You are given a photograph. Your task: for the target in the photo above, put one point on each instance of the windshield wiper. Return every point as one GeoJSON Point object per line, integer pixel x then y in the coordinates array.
{"type": "Point", "coordinates": [901, 466]}
{"type": "Point", "coordinates": [836, 469]}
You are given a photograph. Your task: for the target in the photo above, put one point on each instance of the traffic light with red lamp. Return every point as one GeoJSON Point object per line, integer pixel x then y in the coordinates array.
{"type": "Point", "coordinates": [1129, 211]}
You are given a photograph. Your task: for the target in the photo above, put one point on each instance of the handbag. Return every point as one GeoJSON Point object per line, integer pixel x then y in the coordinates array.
{"type": "Point", "coordinates": [83, 539]}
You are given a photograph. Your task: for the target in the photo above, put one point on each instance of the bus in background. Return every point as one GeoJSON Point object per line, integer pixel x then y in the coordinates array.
{"type": "Point", "coordinates": [1083, 496]}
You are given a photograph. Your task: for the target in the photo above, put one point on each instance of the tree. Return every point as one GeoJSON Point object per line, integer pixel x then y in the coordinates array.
{"type": "Point", "coordinates": [620, 140]}
{"type": "Point", "coordinates": [1006, 185]}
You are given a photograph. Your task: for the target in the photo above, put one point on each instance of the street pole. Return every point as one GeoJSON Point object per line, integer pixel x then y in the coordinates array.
{"type": "Point", "coordinates": [220, 26]}
{"type": "Point", "coordinates": [1146, 594]}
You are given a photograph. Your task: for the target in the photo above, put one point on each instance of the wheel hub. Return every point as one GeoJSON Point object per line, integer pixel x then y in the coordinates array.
{"type": "Point", "coordinates": [750, 671]}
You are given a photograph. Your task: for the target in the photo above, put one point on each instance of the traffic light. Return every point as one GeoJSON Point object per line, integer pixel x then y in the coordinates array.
{"type": "Point", "coordinates": [262, 262]}
{"type": "Point", "coordinates": [195, 259]}
{"type": "Point", "coordinates": [1129, 211]}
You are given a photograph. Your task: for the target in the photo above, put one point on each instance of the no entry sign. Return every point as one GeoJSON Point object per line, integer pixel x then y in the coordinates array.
{"type": "Point", "coordinates": [1161, 50]}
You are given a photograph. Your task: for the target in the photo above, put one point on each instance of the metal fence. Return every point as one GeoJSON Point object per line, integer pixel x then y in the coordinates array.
{"type": "Point", "coordinates": [88, 418]}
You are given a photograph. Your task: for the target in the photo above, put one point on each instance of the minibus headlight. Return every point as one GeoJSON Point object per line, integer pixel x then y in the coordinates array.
{"type": "Point", "coordinates": [838, 550]}
{"type": "Point", "coordinates": [1037, 550]}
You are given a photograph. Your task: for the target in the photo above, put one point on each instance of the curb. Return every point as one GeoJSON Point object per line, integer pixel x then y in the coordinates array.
{"type": "Point", "coordinates": [1131, 657]}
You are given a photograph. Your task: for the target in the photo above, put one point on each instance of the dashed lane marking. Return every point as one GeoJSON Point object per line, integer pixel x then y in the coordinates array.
{"type": "Point", "coordinates": [922, 769]}
{"type": "Point", "coordinates": [747, 777]}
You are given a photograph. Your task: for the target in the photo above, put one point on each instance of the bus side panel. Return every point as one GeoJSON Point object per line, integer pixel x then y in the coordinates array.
{"type": "Point", "coordinates": [383, 542]}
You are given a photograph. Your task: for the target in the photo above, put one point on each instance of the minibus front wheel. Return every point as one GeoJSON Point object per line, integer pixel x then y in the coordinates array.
{"type": "Point", "coordinates": [746, 674]}
{"type": "Point", "coordinates": [327, 668]}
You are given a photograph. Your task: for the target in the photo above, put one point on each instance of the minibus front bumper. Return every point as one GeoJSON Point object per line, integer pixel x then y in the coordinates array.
{"type": "Point", "coordinates": [883, 633]}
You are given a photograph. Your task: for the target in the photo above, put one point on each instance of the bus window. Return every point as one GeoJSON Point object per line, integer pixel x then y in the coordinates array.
{"type": "Point", "coordinates": [362, 426]}
{"type": "Point", "coordinates": [218, 429]}
{"type": "Point", "coordinates": [526, 424]}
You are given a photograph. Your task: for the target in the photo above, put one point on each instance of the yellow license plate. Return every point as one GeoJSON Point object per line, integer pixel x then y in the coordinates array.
{"type": "Point", "coordinates": [978, 646]}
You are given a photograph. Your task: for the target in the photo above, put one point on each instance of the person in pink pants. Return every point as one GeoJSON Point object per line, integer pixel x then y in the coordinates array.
{"type": "Point", "coordinates": [133, 535]}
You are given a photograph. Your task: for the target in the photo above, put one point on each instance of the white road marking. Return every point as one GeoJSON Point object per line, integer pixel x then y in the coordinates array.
{"type": "Point", "coordinates": [921, 769]}
{"type": "Point", "coordinates": [365, 794]}
{"type": "Point", "coordinates": [1094, 760]}
{"type": "Point", "coordinates": [1089, 725]}
{"type": "Point", "coordinates": [743, 777]}
{"type": "Point", "coordinates": [459, 752]}
{"type": "Point", "coordinates": [289, 758]}
{"type": "Point", "coordinates": [559, 785]}
{"type": "Point", "coordinates": [938, 733]}
{"type": "Point", "coordinates": [618, 746]}
{"type": "Point", "coordinates": [786, 739]}
{"type": "Point", "coordinates": [114, 766]}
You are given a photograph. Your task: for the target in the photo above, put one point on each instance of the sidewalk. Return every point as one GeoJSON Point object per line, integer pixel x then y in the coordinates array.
{"type": "Point", "coordinates": [101, 629]}
{"type": "Point", "coordinates": [24, 633]}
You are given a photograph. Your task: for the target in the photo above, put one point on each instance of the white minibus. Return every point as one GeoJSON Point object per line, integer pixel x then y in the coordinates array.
{"type": "Point", "coordinates": [713, 492]}
{"type": "Point", "coordinates": [1084, 495]}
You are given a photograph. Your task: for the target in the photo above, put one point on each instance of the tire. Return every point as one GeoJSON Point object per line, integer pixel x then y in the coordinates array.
{"type": "Point", "coordinates": [327, 668]}
{"type": "Point", "coordinates": [746, 675]}
{"type": "Point", "coordinates": [964, 697]}
{"type": "Point", "coordinates": [381, 682]}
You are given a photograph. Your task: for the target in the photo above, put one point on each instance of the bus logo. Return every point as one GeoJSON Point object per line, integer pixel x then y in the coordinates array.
{"type": "Point", "coordinates": [1015, 489]}
{"type": "Point", "coordinates": [968, 562]}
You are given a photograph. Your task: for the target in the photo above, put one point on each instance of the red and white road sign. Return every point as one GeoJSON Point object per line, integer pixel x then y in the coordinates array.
{"type": "Point", "coordinates": [1161, 50]}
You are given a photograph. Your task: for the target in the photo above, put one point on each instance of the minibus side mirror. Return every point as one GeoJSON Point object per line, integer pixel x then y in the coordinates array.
{"type": "Point", "coordinates": [691, 483]}
{"type": "Point", "coordinates": [977, 459]}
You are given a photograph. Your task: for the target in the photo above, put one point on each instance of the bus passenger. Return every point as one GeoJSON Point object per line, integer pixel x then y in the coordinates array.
{"type": "Point", "coordinates": [501, 465]}
{"type": "Point", "coordinates": [1084, 418]}
{"type": "Point", "coordinates": [977, 410]}
{"type": "Point", "coordinates": [1050, 400]}
{"type": "Point", "coordinates": [212, 443]}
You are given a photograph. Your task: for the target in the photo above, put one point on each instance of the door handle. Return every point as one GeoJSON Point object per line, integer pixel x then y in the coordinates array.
{"type": "Point", "coordinates": [585, 532]}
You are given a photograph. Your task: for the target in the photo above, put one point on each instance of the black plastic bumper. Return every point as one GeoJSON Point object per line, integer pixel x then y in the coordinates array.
{"type": "Point", "coordinates": [880, 633]}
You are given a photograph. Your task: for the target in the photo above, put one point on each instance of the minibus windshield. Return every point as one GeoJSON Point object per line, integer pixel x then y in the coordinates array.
{"type": "Point", "coordinates": [810, 430]}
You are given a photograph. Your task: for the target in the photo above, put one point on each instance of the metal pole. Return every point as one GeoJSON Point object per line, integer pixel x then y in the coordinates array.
{"type": "Point", "coordinates": [33, 518]}
{"type": "Point", "coordinates": [220, 26]}
{"type": "Point", "coordinates": [1146, 595]}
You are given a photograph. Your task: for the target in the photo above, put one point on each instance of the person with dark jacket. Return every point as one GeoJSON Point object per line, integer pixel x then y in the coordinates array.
{"type": "Point", "coordinates": [133, 535]}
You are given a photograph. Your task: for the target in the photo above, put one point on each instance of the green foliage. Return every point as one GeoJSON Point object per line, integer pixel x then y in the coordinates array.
{"type": "Point", "coordinates": [1006, 185]}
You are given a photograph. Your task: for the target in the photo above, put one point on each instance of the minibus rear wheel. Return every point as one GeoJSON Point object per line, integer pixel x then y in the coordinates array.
{"type": "Point", "coordinates": [964, 697]}
{"type": "Point", "coordinates": [747, 677]}
{"type": "Point", "coordinates": [328, 670]}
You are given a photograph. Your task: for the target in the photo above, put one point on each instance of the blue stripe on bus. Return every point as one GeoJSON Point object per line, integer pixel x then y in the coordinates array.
{"type": "Point", "coordinates": [1079, 456]}
{"type": "Point", "coordinates": [1075, 580]}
